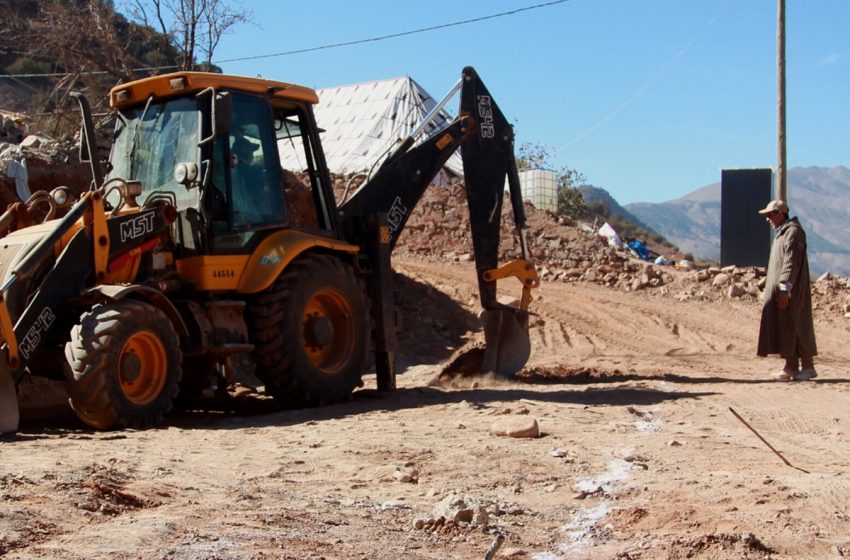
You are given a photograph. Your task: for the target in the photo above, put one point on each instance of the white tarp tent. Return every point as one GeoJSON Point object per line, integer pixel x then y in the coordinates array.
{"type": "Point", "coordinates": [364, 122]}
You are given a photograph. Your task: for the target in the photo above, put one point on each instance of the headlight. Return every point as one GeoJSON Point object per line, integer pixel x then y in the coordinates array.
{"type": "Point", "coordinates": [60, 196]}
{"type": "Point", "coordinates": [185, 172]}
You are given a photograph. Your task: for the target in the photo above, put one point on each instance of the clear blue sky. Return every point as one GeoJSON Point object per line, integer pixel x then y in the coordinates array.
{"type": "Point", "coordinates": [648, 99]}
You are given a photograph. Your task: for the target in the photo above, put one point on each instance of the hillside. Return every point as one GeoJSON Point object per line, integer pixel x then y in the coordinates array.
{"type": "Point", "coordinates": [595, 196]}
{"type": "Point", "coordinates": [604, 207]}
{"type": "Point", "coordinates": [693, 225]}
{"type": "Point", "coordinates": [818, 195]}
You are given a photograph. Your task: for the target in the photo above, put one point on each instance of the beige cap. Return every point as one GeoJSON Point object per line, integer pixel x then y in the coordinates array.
{"type": "Point", "coordinates": [775, 206]}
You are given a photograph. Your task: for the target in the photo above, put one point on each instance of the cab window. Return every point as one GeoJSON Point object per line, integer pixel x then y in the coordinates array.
{"type": "Point", "coordinates": [247, 193]}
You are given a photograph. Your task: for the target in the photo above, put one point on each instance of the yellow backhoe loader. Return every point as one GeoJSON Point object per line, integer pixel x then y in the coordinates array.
{"type": "Point", "coordinates": [189, 250]}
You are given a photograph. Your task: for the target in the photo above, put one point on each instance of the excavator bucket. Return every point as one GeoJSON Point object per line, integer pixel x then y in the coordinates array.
{"type": "Point", "coordinates": [506, 343]}
{"type": "Point", "coordinates": [9, 414]}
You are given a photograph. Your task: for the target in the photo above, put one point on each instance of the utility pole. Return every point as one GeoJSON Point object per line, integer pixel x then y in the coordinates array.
{"type": "Point", "coordinates": [781, 181]}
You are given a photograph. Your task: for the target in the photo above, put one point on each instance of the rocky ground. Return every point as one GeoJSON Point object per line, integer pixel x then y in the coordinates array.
{"type": "Point", "coordinates": [632, 449]}
{"type": "Point", "coordinates": [643, 427]}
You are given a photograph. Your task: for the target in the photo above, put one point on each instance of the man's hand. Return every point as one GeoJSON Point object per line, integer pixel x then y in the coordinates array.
{"type": "Point", "coordinates": [783, 300]}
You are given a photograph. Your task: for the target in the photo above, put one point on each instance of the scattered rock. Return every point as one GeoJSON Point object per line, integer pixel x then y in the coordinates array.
{"type": "Point", "coordinates": [629, 455]}
{"type": "Point", "coordinates": [586, 493]}
{"type": "Point", "coordinates": [735, 291]}
{"type": "Point", "coordinates": [517, 427]}
{"type": "Point", "coordinates": [406, 474]}
{"type": "Point", "coordinates": [459, 509]}
{"type": "Point", "coordinates": [395, 504]}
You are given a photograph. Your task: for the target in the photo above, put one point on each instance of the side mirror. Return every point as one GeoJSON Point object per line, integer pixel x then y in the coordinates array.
{"type": "Point", "coordinates": [222, 112]}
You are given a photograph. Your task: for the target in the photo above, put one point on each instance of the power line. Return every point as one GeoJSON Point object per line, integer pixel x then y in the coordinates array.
{"type": "Point", "coordinates": [91, 73]}
{"type": "Point", "coordinates": [649, 82]}
{"type": "Point", "coordinates": [395, 35]}
{"type": "Point", "coordinates": [319, 48]}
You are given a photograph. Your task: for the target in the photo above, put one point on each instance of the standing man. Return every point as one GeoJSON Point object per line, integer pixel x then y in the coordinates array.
{"type": "Point", "coordinates": [786, 317]}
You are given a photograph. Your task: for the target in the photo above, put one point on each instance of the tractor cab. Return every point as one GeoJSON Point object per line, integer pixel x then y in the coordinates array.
{"type": "Point", "coordinates": [209, 144]}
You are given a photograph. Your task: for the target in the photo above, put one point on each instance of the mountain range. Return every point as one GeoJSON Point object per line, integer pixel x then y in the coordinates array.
{"type": "Point", "coordinates": [819, 196]}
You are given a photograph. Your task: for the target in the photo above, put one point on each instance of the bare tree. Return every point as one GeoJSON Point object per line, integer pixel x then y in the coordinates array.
{"type": "Point", "coordinates": [82, 45]}
{"type": "Point", "coordinates": [82, 36]}
{"type": "Point", "coordinates": [87, 45]}
{"type": "Point", "coordinates": [194, 27]}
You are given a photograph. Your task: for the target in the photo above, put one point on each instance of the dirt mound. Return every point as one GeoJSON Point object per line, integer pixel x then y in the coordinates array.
{"type": "Point", "coordinates": [438, 230]}
{"type": "Point", "coordinates": [567, 251]}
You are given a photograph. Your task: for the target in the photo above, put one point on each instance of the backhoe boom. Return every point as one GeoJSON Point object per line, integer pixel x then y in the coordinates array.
{"type": "Point", "coordinates": [486, 141]}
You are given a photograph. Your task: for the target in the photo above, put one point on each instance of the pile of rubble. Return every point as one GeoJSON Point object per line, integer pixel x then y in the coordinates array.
{"type": "Point", "coordinates": [438, 229]}
{"type": "Point", "coordinates": [831, 295]}
{"type": "Point", "coordinates": [30, 162]}
{"type": "Point", "coordinates": [566, 251]}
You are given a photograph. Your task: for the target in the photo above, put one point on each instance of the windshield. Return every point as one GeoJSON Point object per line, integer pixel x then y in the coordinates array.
{"type": "Point", "coordinates": [150, 141]}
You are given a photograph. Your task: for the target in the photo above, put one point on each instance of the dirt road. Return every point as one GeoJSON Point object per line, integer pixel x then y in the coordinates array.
{"type": "Point", "coordinates": [639, 454]}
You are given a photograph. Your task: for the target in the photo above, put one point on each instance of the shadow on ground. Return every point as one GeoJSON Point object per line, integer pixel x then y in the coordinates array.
{"type": "Point", "coordinates": [255, 413]}
{"type": "Point", "coordinates": [255, 410]}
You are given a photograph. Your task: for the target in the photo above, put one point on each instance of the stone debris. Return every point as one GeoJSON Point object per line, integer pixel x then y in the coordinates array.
{"type": "Point", "coordinates": [563, 250]}
{"type": "Point", "coordinates": [49, 164]}
{"type": "Point", "coordinates": [582, 494]}
{"type": "Point", "coordinates": [630, 455]}
{"type": "Point", "coordinates": [394, 505]}
{"type": "Point", "coordinates": [516, 427]}
{"type": "Point", "coordinates": [406, 474]}
{"type": "Point", "coordinates": [513, 553]}
{"type": "Point", "coordinates": [461, 509]}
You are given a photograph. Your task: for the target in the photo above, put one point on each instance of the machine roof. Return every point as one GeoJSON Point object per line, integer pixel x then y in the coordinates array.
{"type": "Point", "coordinates": [181, 82]}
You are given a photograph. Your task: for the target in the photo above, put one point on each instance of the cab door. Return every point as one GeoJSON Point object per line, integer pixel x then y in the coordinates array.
{"type": "Point", "coordinates": [245, 196]}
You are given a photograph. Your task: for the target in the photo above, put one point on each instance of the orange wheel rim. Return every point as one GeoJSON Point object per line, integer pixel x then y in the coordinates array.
{"type": "Point", "coordinates": [142, 368]}
{"type": "Point", "coordinates": [329, 331]}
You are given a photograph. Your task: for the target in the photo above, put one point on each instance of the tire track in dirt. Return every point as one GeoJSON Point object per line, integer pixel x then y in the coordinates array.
{"type": "Point", "coordinates": [592, 315]}
{"type": "Point", "coordinates": [593, 325]}
{"type": "Point", "coordinates": [814, 427]}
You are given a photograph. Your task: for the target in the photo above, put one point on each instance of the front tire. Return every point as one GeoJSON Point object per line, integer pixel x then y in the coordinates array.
{"type": "Point", "coordinates": [310, 331]}
{"type": "Point", "coordinates": [123, 366]}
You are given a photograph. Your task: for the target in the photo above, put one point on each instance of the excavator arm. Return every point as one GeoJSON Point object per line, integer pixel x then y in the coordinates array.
{"type": "Point", "coordinates": [486, 141]}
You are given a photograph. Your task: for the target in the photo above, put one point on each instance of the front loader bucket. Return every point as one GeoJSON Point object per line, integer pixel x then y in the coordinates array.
{"type": "Point", "coordinates": [507, 346]}
{"type": "Point", "coordinates": [9, 414]}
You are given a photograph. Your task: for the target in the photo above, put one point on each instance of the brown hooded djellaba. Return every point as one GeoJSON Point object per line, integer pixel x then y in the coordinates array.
{"type": "Point", "coordinates": [782, 329]}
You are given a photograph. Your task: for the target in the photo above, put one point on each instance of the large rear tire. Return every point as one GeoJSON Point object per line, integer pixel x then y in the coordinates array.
{"type": "Point", "coordinates": [310, 331]}
{"type": "Point", "coordinates": [123, 366]}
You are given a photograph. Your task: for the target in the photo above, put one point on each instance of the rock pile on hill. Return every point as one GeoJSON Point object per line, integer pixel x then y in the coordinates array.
{"type": "Point", "coordinates": [46, 164]}
{"type": "Point", "coordinates": [565, 251]}
{"type": "Point", "coordinates": [831, 295]}
{"type": "Point", "coordinates": [562, 249]}
{"type": "Point", "coordinates": [438, 229]}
